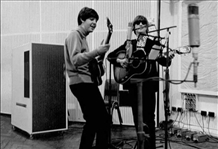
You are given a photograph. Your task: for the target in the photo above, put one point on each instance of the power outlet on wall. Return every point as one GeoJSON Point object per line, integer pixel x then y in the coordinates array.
{"type": "Point", "coordinates": [211, 114]}
{"type": "Point", "coordinates": [190, 100]}
{"type": "Point", "coordinates": [174, 109]}
{"type": "Point", "coordinates": [204, 113]}
{"type": "Point", "coordinates": [179, 109]}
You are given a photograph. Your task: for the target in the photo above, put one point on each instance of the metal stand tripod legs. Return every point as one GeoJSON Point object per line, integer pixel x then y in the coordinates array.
{"type": "Point", "coordinates": [140, 133]}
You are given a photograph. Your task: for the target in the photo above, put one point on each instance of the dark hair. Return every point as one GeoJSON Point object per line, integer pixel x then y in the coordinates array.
{"type": "Point", "coordinates": [86, 13]}
{"type": "Point", "coordinates": [138, 19]}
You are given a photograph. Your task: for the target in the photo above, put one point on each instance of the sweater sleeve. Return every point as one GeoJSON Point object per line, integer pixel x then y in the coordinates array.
{"type": "Point", "coordinates": [79, 54]}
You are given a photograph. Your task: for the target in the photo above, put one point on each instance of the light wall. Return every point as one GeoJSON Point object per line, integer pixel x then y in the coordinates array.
{"type": "Point", "coordinates": [206, 89]}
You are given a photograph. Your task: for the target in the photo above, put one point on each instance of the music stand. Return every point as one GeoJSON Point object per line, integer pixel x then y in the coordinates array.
{"type": "Point", "coordinates": [110, 109]}
{"type": "Point", "coordinates": [141, 135]}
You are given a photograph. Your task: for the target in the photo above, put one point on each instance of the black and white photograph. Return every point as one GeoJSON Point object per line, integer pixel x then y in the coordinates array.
{"type": "Point", "coordinates": [109, 74]}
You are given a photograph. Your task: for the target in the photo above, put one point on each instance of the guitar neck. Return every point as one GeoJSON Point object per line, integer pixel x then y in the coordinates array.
{"type": "Point", "coordinates": [108, 38]}
{"type": "Point", "coordinates": [101, 58]}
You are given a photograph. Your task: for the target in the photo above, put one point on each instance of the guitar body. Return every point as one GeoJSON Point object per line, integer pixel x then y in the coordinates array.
{"type": "Point", "coordinates": [137, 65]}
{"type": "Point", "coordinates": [97, 69]}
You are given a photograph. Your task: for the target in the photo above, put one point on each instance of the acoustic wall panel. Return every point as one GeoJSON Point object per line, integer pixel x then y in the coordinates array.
{"type": "Point", "coordinates": [61, 16]}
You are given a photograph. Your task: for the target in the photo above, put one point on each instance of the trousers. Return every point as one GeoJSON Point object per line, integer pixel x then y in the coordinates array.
{"type": "Point", "coordinates": [94, 113]}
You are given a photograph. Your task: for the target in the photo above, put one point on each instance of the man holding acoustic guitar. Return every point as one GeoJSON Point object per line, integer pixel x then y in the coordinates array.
{"type": "Point", "coordinates": [78, 60]}
{"type": "Point", "coordinates": [131, 61]}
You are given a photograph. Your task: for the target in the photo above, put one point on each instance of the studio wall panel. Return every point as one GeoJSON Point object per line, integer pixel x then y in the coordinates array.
{"type": "Point", "coordinates": [20, 17]}
{"type": "Point", "coordinates": [121, 12]}
{"type": "Point", "coordinates": [57, 38]}
{"type": "Point", "coordinates": [60, 15]}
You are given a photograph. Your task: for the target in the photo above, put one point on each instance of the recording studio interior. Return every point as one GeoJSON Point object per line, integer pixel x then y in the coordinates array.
{"type": "Point", "coordinates": [38, 109]}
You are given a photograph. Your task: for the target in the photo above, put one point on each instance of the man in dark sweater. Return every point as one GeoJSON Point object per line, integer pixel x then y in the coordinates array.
{"type": "Point", "coordinates": [77, 59]}
{"type": "Point", "coordinates": [141, 49]}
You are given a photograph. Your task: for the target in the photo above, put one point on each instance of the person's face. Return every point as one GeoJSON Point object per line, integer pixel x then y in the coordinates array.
{"type": "Point", "coordinates": [140, 27]}
{"type": "Point", "coordinates": [89, 24]}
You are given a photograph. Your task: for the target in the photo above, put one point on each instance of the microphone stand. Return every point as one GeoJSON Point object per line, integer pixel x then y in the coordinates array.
{"type": "Point", "coordinates": [158, 69]}
{"type": "Point", "coordinates": [162, 29]}
{"type": "Point", "coordinates": [166, 91]}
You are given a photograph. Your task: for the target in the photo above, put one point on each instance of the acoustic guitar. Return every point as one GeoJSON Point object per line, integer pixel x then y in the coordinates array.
{"type": "Point", "coordinates": [136, 65]}
{"type": "Point", "coordinates": [96, 65]}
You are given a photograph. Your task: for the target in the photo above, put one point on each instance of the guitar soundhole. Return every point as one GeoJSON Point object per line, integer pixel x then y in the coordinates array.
{"type": "Point", "coordinates": [139, 57]}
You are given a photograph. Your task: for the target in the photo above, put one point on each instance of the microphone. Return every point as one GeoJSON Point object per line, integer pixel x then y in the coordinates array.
{"type": "Point", "coordinates": [129, 36]}
{"type": "Point", "coordinates": [194, 36]}
{"type": "Point", "coordinates": [129, 31]}
{"type": "Point", "coordinates": [193, 25]}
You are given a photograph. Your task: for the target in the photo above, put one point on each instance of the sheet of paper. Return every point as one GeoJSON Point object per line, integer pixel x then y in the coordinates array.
{"type": "Point", "coordinates": [154, 53]}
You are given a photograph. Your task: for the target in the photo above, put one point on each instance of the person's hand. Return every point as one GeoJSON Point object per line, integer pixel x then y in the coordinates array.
{"type": "Point", "coordinates": [171, 54]}
{"type": "Point", "coordinates": [123, 62]}
{"type": "Point", "coordinates": [103, 49]}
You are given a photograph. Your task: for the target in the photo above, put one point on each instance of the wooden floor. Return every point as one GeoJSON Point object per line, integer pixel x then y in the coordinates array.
{"type": "Point", "coordinates": [122, 137]}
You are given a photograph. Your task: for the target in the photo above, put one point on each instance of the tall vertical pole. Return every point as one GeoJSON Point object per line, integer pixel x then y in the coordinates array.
{"type": "Point", "coordinates": [158, 33]}
{"type": "Point", "coordinates": [159, 11]}
{"type": "Point", "coordinates": [140, 131]}
{"type": "Point", "coordinates": [166, 102]}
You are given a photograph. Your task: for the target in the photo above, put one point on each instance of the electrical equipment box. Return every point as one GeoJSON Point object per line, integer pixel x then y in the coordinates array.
{"type": "Point", "coordinates": [38, 88]}
{"type": "Point", "coordinates": [200, 138]}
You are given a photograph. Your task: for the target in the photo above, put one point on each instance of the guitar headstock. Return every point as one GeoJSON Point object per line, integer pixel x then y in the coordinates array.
{"type": "Point", "coordinates": [109, 25]}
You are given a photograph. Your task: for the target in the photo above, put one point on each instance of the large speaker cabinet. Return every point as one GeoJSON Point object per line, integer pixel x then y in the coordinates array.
{"type": "Point", "coordinates": [38, 88]}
